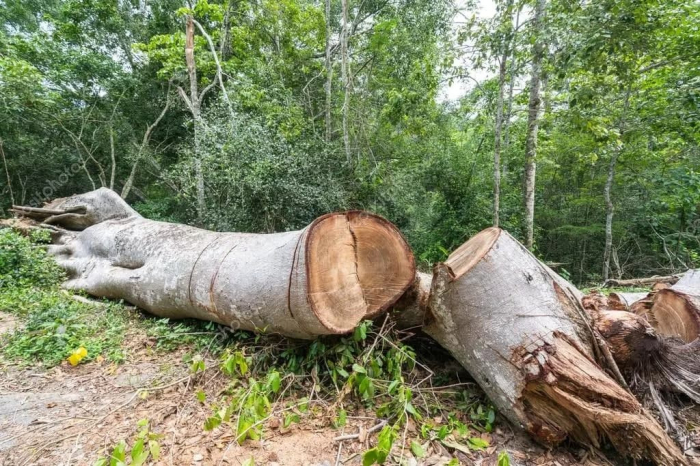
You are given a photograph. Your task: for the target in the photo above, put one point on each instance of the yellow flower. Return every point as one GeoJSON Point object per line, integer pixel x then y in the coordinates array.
{"type": "Point", "coordinates": [77, 356]}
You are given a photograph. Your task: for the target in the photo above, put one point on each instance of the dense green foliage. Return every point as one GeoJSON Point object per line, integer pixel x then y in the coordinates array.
{"type": "Point", "coordinates": [82, 80]}
{"type": "Point", "coordinates": [54, 324]}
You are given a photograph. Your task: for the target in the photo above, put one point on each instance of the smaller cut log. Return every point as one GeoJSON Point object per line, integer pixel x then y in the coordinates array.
{"type": "Point", "coordinates": [642, 282]}
{"type": "Point", "coordinates": [624, 301]}
{"type": "Point", "coordinates": [676, 310]}
{"type": "Point", "coordinates": [521, 332]}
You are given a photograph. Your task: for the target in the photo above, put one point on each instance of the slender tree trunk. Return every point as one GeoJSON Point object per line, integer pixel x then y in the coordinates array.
{"type": "Point", "coordinates": [532, 126]}
{"type": "Point", "coordinates": [113, 158]}
{"type": "Point", "coordinates": [503, 69]}
{"type": "Point", "coordinates": [329, 72]}
{"type": "Point", "coordinates": [511, 85]}
{"type": "Point", "coordinates": [497, 139]}
{"type": "Point", "coordinates": [609, 206]}
{"type": "Point", "coordinates": [7, 173]}
{"type": "Point", "coordinates": [195, 105]}
{"type": "Point", "coordinates": [345, 72]}
{"type": "Point", "coordinates": [224, 43]}
{"type": "Point", "coordinates": [609, 210]}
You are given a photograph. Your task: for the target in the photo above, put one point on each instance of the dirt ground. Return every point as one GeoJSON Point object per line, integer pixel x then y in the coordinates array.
{"type": "Point", "coordinates": [73, 415]}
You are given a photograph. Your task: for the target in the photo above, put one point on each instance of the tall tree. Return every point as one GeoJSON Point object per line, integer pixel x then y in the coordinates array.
{"type": "Point", "coordinates": [504, 45]}
{"type": "Point", "coordinates": [328, 63]}
{"type": "Point", "coordinates": [533, 115]}
{"type": "Point", "coordinates": [346, 79]}
{"type": "Point", "coordinates": [194, 104]}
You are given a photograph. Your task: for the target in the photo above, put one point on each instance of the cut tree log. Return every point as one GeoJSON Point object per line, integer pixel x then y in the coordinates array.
{"type": "Point", "coordinates": [522, 333]}
{"type": "Point", "coordinates": [676, 310]}
{"type": "Point", "coordinates": [624, 301]}
{"type": "Point", "coordinates": [515, 325]}
{"type": "Point", "coordinates": [324, 279]}
{"type": "Point", "coordinates": [642, 282]}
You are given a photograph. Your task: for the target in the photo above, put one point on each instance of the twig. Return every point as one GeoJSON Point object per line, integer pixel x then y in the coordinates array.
{"type": "Point", "coordinates": [337, 457]}
{"type": "Point", "coordinates": [356, 436]}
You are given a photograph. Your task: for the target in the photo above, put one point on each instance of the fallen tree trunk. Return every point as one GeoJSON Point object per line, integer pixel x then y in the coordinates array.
{"type": "Point", "coordinates": [676, 310]}
{"type": "Point", "coordinates": [324, 279]}
{"type": "Point", "coordinates": [521, 332]}
{"type": "Point", "coordinates": [513, 323]}
{"type": "Point", "coordinates": [642, 282]}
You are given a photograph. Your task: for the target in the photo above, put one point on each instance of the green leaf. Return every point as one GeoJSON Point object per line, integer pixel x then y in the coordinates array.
{"type": "Point", "coordinates": [212, 423]}
{"type": "Point", "coordinates": [303, 404]}
{"type": "Point", "coordinates": [477, 443]}
{"type": "Point", "coordinates": [289, 418]}
{"type": "Point", "coordinates": [139, 454]}
{"type": "Point", "coordinates": [411, 410]}
{"type": "Point", "coordinates": [456, 446]}
{"type": "Point", "coordinates": [503, 459]}
{"type": "Point", "coordinates": [154, 448]}
{"type": "Point", "coordinates": [118, 454]}
{"type": "Point", "coordinates": [359, 369]}
{"type": "Point", "coordinates": [341, 420]}
{"type": "Point", "coordinates": [418, 450]}
{"type": "Point", "coordinates": [249, 462]}
{"type": "Point", "coordinates": [370, 457]}
{"type": "Point", "coordinates": [201, 396]}
{"type": "Point", "coordinates": [274, 381]}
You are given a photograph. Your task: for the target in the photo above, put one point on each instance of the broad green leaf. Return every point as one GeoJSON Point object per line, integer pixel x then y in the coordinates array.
{"type": "Point", "coordinates": [417, 449]}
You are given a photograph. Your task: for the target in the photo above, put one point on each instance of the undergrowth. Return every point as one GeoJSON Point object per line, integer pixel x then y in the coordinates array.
{"type": "Point", "coordinates": [278, 382]}
{"type": "Point", "coordinates": [55, 323]}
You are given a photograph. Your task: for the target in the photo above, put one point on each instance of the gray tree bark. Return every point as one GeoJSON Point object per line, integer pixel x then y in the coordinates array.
{"type": "Point", "coordinates": [194, 103]}
{"type": "Point", "coordinates": [521, 332]}
{"type": "Point", "coordinates": [324, 279]}
{"type": "Point", "coordinates": [533, 125]}
{"type": "Point", "coordinates": [503, 69]}
{"type": "Point", "coordinates": [329, 74]}
{"type": "Point", "coordinates": [345, 76]}
{"type": "Point", "coordinates": [511, 85]}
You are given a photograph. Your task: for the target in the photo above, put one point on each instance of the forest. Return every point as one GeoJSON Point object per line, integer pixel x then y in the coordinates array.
{"type": "Point", "coordinates": [315, 232]}
{"type": "Point", "coordinates": [572, 125]}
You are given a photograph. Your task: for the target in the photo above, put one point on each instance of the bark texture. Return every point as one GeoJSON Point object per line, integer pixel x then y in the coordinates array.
{"type": "Point", "coordinates": [328, 64]}
{"type": "Point", "coordinates": [522, 333]}
{"type": "Point", "coordinates": [533, 114]}
{"type": "Point", "coordinates": [323, 279]}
